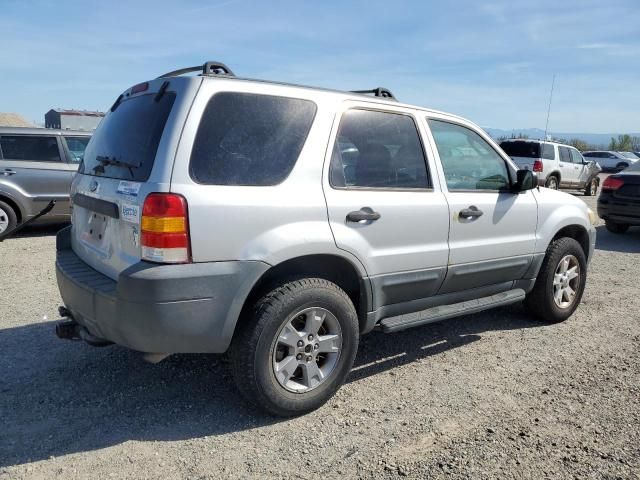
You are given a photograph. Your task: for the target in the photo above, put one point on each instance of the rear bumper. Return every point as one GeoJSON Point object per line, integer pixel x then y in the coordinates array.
{"type": "Point", "coordinates": [190, 308]}
{"type": "Point", "coordinates": [619, 212]}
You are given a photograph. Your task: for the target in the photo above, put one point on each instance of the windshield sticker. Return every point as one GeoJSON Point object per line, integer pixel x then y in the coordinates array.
{"type": "Point", "coordinates": [130, 213]}
{"type": "Point", "coordinates": [128, 188]}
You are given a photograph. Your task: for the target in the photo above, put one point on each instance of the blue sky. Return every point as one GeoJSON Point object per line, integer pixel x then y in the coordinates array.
{"type": "Point", "coordinates": [490, 61]}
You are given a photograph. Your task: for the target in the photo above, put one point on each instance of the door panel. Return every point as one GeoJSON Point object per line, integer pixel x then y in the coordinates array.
{"type": "Point", "coordinates": [580, 168]}
{"type": "Point", "coordinates": [567, 170]}
{"type": "Point", "coordinates": [492, 231]}
{"type": "Point", "coordinates": [378, 165]}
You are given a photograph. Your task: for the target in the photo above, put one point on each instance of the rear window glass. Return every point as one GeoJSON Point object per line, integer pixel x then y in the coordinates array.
{"type": "Point", "coordinates": [249, 139]}
{"type": "Point", "coordinates": [125, 143]}
{"type": "Point", "coordinates": [30, 148]}
{"type": "Point", "coordinates": [528, 149]}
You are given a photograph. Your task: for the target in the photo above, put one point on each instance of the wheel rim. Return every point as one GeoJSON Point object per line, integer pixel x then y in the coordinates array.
{"type": "Point", "coordinates": [4, 220]}
{"type": "Point", "coordinates": [553, 183]}
{"type": "Point", "coordinates": [306, 351]}
{"type": "Point", "coordinates": [566, 281]}
{"type": "Point", "coordinates": [594, 187]}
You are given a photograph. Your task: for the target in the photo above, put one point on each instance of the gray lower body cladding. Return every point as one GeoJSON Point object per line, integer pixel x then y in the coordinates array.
{"type": "Point", "coordinates": [187, 308]}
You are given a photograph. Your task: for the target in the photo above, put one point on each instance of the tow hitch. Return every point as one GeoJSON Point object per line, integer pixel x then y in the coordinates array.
{"type": "Point", "coordinates": [69, 329]}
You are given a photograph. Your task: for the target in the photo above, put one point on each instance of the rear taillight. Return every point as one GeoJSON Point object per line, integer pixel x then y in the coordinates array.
{"type": "Point", "coordinates": [537, 166]}
{"type": "Point", "coordinates": [612, 183]}
{"type": "Point", "coordinates": [165, 229]}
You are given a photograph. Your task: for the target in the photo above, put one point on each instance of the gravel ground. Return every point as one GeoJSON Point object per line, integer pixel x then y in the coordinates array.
{"type": "Point", "coordinates": [491, 395]}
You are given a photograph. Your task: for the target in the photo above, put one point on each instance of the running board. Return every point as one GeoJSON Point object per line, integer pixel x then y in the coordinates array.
{"type": "Point", "coordinates": [444, 312]}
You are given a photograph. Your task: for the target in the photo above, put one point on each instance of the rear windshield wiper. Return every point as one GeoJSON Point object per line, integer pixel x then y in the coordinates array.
{"type": "Point", "coordinates": [105, 160]}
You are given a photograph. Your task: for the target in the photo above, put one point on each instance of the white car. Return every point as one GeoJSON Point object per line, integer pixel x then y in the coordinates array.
{"type": "Point", "coordinates": [612, 161]}
{"type": "Point", "coordinates": [557, 165]}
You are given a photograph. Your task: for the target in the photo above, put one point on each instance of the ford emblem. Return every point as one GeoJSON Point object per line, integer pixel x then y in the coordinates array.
{"type": "Point", "coordinates": [93, 186]}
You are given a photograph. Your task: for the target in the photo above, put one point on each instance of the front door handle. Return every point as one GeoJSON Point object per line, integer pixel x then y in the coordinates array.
{"type": "Point", "coordinates": [471, 212]}
{"type": "Point", "coordinates": [8, 172]}
{"type": "Point", "coordinates": [364, 214]}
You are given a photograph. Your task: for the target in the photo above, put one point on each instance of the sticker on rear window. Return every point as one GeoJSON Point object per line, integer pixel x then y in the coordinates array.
{"type": "Point", "coordinates": [128, 188]}
{"type": "Point", "coordinates": [130, 213]}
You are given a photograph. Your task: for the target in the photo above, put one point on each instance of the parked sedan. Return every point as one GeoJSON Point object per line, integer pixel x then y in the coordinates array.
{"type": "Point", "coordinates": [619, 201]}
{"type": "Point", "coordinates": [612, 161]}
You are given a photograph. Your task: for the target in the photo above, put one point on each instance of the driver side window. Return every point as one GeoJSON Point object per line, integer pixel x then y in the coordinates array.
{"type": "Point", "coordinates": [468, 161]}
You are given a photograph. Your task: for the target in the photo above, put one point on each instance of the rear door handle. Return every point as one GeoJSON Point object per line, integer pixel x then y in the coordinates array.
{"type": "Point", "coordinates": [471, 212]}
{"type": "Point", "coordinates": [8, 172]}
{"type": "Point", "coordinates": [364, 214]}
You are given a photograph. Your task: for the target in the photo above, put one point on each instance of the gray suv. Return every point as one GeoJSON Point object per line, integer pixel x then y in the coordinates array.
{"type": "Point", "coordinates": [280, 223]}
{"type": "Point", "coordinates": [37, 166]}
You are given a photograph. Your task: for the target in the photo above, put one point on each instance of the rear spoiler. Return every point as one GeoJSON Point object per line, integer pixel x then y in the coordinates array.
{"type": "Point", "coordinates": [17, 228]}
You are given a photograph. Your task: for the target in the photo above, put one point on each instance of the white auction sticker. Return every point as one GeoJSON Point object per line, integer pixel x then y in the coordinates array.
{"type": "Point", "coordinates": [130, 213]}
{"type": "Point", "coordinates": [128, 188]}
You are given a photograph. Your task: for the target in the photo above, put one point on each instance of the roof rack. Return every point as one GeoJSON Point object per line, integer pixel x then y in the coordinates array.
{"type": "Point", "coordinates": [209, 68]}
{"type": "Point", "coordinates": [377, 92]}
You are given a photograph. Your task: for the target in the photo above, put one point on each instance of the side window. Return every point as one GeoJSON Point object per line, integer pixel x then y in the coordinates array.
{"type": "Point", "coordinates": [565, 154]}
{"type": "Point", "coordinates": [576, 157]}
{"type": "Point", "coordinates": [468, 161]}
{"type": "Point", "coordinates": [30, 148]}
{"type": "Point", "coordinates": [249, 139]}
{"type": "Point", "coordinates": [77, 146]}
{"type": "Point", "coordinates": [378, 150]}
{"type": "Point", "coordinates": [548, 152]}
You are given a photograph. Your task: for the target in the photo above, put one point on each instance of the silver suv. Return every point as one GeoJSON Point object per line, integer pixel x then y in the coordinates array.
{"type": "Point", "coordinates": [37, 166]}
{"type": "Point", "coordinates": [556, 165]}
{"type": "Point", "coordinates": [278, 222]}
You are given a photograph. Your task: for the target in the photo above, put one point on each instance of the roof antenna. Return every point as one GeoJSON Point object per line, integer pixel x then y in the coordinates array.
{"type": "Point", "coordinates": [546, 127]}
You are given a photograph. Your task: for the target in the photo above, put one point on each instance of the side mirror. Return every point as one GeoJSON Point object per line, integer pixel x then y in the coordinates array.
{"type": "Point", "coordinates": [525, 180]}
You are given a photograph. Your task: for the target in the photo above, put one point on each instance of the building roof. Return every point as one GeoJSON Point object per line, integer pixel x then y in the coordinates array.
{"type": "Point", "coordinates": [13, 120]}
{"type": "Point", "coordinates": [80, 113]}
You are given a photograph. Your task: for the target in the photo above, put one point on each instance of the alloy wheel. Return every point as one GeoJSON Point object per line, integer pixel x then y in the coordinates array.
{"type": "Point", "coordinates": [4, 220]}
{"type": "Point", "coordinates": [566, 281]}
{"type": "Point", "coordinates": [307, 349]}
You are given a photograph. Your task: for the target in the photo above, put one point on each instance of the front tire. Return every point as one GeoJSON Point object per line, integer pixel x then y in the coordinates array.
{"type": "Point", "coordinates": [560, 283]}
{"type": "Point", "coordinates": [8, 219]}
{"type": "Point", "coordinates": [552, 182]}
{"type": "Point", "coordinates": [618, 228]}
{"type": "Point", "coordinates": [296, 347]}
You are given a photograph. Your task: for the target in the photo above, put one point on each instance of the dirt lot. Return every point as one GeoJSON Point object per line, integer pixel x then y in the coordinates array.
{"type": "Point", "coordinates": [492, 395]}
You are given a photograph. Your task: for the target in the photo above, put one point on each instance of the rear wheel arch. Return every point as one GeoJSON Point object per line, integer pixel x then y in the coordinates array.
{"type": "Point", "coordinates": [554, 174]}
{"type": "Point", "coordinates": [333, 268]}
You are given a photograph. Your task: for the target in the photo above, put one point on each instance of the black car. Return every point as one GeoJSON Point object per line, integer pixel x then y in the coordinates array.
{"type": "Point", "coordinates": [619, 201]}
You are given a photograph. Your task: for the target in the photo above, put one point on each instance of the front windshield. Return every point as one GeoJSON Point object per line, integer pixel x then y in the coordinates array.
{"type": "Point", "coordinates": [630, 155]}
{"type": "Point", "coordinates": [77, 146]}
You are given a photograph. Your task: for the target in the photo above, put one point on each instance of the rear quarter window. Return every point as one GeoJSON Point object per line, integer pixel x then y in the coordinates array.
{"type": "Point", "coordinates": [249, 139]}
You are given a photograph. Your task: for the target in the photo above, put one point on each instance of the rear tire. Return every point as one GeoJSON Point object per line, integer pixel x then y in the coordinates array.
{"type": "Point", "coordinates": [592, 188]}
{"type": "Point", "coordinates": [563, 271]}
{"type": "Point", "coordinates": [8, 219]}
{"type": "Point", "coordinates": [295, 347]}
{"type": "Point", "coordinates": [621, 166]}
{"type": "Point", "coordinates": [552, 182]}
{"type": "Point", "coordinates": [617, 228]}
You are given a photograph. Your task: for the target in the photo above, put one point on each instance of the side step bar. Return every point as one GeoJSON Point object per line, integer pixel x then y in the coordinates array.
{"type": "Point", "coordinates": [444, 312]}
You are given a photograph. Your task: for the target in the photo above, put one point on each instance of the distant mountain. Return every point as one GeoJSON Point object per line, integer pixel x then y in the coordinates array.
{"type": "Point", "coordinates": [602, 139]}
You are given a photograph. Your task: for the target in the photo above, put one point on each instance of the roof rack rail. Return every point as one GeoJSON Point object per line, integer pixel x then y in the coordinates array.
{"type": "Point", "coordinates": [209, 68]}
{"type": "Point", "coordinates": [377, 92]}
